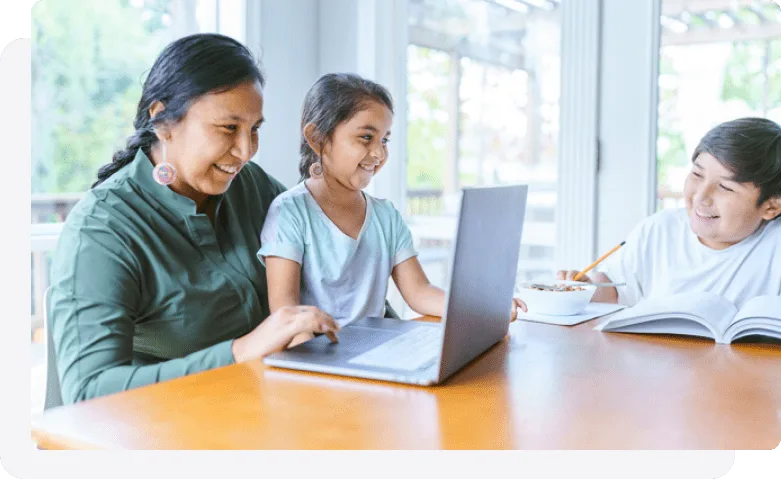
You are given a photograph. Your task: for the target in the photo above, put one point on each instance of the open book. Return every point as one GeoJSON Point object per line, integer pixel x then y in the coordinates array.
{"type": "Point", "coordinates": [700, 314]}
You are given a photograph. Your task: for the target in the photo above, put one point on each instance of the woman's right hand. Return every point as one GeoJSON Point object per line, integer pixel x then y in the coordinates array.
{"type": "Point", "coordinates": [279, 330]}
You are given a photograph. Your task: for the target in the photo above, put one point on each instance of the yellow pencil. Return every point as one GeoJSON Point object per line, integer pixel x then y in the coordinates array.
{"type": "Point", "coordinates": [578, 276]}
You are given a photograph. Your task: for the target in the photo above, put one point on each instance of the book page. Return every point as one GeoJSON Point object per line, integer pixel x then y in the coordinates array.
{"type": "Point", "coordinates": [705, 308]}
{"type": "Point", "coordinates": [761, 315]}
{"type": "Point", "coordinates": [671, 325]}
{"type": "Point", "coordinates": [768, 307]}
{"type": "Point", "coordinates": [774, 334]}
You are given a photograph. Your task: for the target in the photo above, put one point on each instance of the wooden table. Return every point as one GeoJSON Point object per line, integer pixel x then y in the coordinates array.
{"type": "Point", "coordinates": [542, 387]}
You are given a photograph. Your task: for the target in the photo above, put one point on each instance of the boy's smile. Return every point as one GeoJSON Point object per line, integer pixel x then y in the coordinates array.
{"type": "Point", "coordinates": [722, 212]}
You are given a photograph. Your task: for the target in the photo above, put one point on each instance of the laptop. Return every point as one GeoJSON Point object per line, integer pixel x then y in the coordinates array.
{"type": "Point", "coordinates": [477, 312]}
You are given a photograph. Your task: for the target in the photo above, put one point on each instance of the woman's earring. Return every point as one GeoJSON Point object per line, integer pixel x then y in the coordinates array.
{"type": "Point", "coordinates": [316, 170]}
{"type": "Point", "coordinates": [164, 173]}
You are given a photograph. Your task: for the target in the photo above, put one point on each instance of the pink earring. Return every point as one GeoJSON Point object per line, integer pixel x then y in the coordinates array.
{"type": "Point", "coordinates": [164, 173]}
{"type": "Point", "coordinates": [316, 170]}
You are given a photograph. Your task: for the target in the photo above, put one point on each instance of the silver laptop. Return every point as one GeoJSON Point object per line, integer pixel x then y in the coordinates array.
{"type": "Point", "coordinates": [477, 311]}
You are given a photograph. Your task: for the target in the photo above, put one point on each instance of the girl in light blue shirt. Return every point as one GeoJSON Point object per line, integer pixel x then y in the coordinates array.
{"type": "Point", "coordinates": [325, 242]}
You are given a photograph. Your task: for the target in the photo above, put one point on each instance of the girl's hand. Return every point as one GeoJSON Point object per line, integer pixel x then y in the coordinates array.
{"type": "Point", "coordinates": [288, 326]}
{"type": "Point", "coordinates": [517, 303]}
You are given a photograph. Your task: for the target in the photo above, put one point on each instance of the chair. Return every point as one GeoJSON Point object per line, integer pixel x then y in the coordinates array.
{"type": "Point", "coordinates": [53, 392]}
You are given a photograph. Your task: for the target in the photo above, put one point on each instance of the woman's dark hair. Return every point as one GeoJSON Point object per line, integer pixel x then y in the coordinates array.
{"type": "Point", "coordinates": [332, 100]}
{"type": "Point", "coordinates": [751, 149]}
{"type": "Point", "coordinates": [186, 69]}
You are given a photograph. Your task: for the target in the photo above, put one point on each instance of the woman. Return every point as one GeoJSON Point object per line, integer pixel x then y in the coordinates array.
{"type": "Point", "coordinates": [155, 275]}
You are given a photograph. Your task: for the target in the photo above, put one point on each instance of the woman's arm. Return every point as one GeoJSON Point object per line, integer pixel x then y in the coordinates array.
{"type": "Point", "coordinates": [417, 291]}
{"type": "Point", "coordinates": [96, 293]}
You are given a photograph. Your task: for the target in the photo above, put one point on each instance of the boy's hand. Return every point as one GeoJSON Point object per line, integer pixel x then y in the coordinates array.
{"type": "Point", "coordinates": [569, 275]}
{"type": "Point", "coordinates": [603, 295]}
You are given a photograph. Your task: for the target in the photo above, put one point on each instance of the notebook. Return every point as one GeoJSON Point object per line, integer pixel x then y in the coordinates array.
{"type": "Point", "coordinates": [700, 314]}
{"type": "Point", "coordinates": [593, 310]}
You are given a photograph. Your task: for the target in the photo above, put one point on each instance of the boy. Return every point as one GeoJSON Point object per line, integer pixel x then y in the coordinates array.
{"type": "Point", "coordinates": [727, 239]}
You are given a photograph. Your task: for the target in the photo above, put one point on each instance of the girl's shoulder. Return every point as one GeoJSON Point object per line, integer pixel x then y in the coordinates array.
{"type": "Point", "coordinates": [382, 205]}
{"type": "Point", "coordinates": [296, 194]}
{"type": "Point", "coordinates": [292, 202]}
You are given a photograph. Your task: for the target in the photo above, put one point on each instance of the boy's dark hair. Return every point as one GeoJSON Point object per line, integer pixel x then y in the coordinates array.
{"type": "Point", "coordinates": [333, 99]}
{"type": "Point", "coordinates": [751, 149]}
{"type": "Point", "coordinates": [185, 70]}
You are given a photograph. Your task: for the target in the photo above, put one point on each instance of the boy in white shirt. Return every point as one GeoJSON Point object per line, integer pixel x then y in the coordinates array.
{"type": "Point", "coordinates": [727, 240]}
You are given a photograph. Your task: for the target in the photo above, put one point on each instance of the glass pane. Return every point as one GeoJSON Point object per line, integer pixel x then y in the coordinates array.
{"type": "Point", "coordinates": [86, 82]}
{"type": "Point", "coordinates": [719, 60]}
{"type": "Point", "coordinates": [483, 105]}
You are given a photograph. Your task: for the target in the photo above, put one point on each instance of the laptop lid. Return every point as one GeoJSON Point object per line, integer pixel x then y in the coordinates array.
{"type": "Point", "coordinates": [483, 272]}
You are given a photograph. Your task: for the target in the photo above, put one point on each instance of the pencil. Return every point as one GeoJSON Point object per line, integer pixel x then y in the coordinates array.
{"type": "Point", "coordinates": [332, 336]}
{"type": "Point", "coordinates": [579, 275]}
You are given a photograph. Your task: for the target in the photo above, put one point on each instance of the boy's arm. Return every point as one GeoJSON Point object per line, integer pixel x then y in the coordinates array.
{"type": "Point", "coordinates": [415, 288]}
{"type": "Point", "coordinates": [604, 295]}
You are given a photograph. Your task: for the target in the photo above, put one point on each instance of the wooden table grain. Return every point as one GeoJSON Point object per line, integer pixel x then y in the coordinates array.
{"type": "Point", "coordinates": [542, 387]}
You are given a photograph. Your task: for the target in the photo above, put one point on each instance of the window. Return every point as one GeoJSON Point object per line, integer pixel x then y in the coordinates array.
{"type": "Point", "coordinates": [719, 60]}
{"type": "Point", "coordinates": [483, 105]}
{"type": "Point", "coordinates": [89, 59]}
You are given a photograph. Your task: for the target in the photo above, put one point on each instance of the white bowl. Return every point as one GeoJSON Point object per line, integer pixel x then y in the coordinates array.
{"type": "Point", "coordinates": [556, 303]}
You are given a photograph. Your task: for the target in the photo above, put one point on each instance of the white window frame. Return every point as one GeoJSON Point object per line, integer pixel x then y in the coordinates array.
{"type": "Point", "coordinates": [578, 136]}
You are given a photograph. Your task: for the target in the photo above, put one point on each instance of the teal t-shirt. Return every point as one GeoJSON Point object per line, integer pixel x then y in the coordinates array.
{"type": "Point", "coordinates": [345, 277]}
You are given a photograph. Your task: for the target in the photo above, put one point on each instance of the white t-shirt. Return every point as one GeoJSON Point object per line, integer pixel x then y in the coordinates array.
{"type": "Point", "coordinates": [662, 256]}
{"type": "Point", "coordinates": [345, 277]}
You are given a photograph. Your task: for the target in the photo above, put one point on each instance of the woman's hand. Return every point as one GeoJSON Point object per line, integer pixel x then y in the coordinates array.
{"type": "Point", "coordinates": [288, 326]}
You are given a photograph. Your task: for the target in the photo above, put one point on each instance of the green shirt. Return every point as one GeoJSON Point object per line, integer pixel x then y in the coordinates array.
{"type": "Point", "coordinates": [144, 289]}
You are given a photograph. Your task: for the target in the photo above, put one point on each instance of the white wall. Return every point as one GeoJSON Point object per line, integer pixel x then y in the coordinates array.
{"type": "Point", "coordinates": [628, 112]}
{"type": "Point", "coordinates": [300, 40]}
{"type": "Point", "coordinates": [289, 34]}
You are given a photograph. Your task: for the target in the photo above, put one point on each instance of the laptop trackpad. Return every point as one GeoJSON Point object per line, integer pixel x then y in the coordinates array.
{"type": "Point", "coordinates": [354, 339]}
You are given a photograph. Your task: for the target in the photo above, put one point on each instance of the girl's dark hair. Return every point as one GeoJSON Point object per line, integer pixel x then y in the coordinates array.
{"type": "Point", "coordinates": [186, 69]}
{"type": "Point", "coordinates": [333, 99]}
{"type": "Point", "coordinates": [751, 149]}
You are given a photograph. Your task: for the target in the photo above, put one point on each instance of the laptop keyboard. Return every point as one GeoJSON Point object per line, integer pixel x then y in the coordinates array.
{"type": "Point", "coordinates": [413, 350]}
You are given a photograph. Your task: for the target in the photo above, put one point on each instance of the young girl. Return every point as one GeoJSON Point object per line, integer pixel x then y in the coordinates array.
{"type": "Point", "coordinates": [327, 243]}
{"type": "Point", "coordinates": [727, 239]}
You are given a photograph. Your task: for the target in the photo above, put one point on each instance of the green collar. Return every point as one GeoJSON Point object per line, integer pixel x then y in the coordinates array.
{"type": "Point", "coordinates": [140, 172]}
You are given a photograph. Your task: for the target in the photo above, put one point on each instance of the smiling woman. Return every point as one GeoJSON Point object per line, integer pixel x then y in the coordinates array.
{"type": "Point", "coordinates": [153, 280]}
